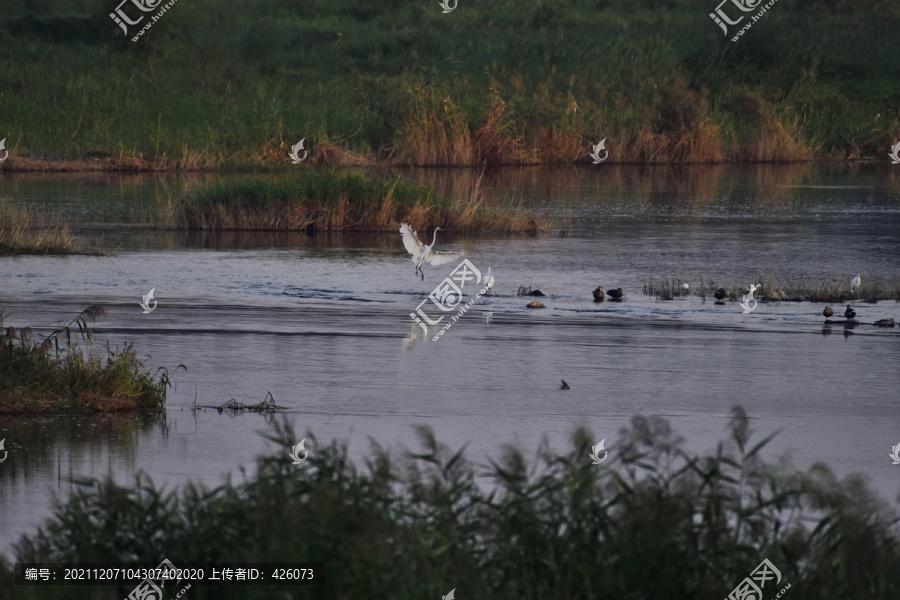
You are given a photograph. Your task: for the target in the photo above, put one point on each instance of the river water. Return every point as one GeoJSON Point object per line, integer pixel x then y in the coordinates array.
{"type": "Point", "coordinates": [323, 323]}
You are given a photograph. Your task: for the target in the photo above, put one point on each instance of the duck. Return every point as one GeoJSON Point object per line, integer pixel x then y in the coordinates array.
{"type": "Point", "coordinates": [598, 293]}
{"type": "Point", "coordinates": [564, 385]}
{"type": "Point", "coordinates": [616, 294]}
{"type": "Point", "coordinates": [849, 313]}
{"type": "Point", "coordinates": [720, 294]}
{"type": "Point", "coordinates": [827, 313]}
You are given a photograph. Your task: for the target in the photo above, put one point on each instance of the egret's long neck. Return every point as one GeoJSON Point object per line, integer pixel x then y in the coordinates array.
{"type": "Point", "coordinates": [433, 239]}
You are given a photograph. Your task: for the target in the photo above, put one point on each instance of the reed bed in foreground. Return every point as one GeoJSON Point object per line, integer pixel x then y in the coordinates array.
{"type": "Point", "coordinates": [23, 231]}
{"type": "Point", "coordinates": [652, 522]}
{"type": "Point", "coordinates": [56, 376]}
{"type": "Point", "coordinates": [328, 200]}
{"type": "Point", "coordinates": [776, 287]}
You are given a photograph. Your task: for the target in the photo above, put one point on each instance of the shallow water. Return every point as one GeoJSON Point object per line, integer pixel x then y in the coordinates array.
{"type": "Point", "coordinates": [323, 324]}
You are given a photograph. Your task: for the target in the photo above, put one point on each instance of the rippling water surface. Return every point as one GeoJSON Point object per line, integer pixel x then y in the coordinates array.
{"type": "Point", "coordinates": [322, 322]}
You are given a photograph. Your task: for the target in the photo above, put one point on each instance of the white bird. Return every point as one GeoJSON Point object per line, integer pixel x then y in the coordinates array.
{"type": "Point", "coordinates": [685, 286]}
{"type": "Point", "coordinates": [422, 254]}
{"type": "Point", "coordinates": [489, 283]}
{"type": "Point", "coordinates": [855, 283]}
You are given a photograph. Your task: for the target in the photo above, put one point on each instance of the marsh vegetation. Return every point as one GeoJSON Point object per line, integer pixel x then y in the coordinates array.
{"type": "Point", "coordinates": [652, 522]}
{"type": "Point", "coordinates": [58, 376]}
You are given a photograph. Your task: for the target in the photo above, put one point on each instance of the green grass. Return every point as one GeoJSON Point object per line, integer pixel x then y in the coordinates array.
{"type": "Point", "coordinates": [222, 83]}
{"type": "Point", "coordinates": [652, 522]}
{"type": "Point", "coordinates": [56, 376]}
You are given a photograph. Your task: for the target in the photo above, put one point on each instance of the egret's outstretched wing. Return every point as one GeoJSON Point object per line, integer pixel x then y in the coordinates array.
{"type": "Point", "coordinates": [440, 258]}
{"type": "Point", "coordinates": [411, 240]}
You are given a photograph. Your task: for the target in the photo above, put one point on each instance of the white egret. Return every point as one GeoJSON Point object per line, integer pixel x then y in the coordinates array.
{"type": "Point", "coordinates": [422, 254]}
{"type": "Point", "coordinates": [855, 283]}
{"type": "Point", "coordinates": [685, 286]}
{"type": "Point", "coordinates": [489, 283]}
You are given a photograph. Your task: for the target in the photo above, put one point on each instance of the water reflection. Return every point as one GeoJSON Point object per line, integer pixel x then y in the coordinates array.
{"type": "Point", "coordinates": [52, 449]}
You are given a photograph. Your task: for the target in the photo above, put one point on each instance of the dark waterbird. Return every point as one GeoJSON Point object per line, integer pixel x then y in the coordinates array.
{"type": "Point", "coordinates": [720, 294]}
{"type": "Point", "coordinates": [537, 293]}
{"type": "Point", "coordinates": [598, 293]}
{"type": "Point", "coordinates": [564, 385]}
{"type": "Point", "coordinates": [616, 294]}
{"type": "Point", "coordinates": [849, 313]}
{"type": "Point", "coordinates": [827, 313]}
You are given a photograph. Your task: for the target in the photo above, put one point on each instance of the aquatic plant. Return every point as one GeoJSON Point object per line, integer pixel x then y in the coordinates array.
{"type": "Point", "coordinates": [331, 200]}
{"type": "Point", "coordinates": [778, 287]}
{"type": "Point", "coordinates": [25, 231]}
{"type": "Point", "coordinates": [57, 376]}
{"type": "Point", "coordinates": [654, 522]}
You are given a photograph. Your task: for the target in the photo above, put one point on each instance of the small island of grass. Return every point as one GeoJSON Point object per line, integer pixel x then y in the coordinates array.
{"type": "Point", "coordinates": [331, 200]}
{"type": "Point", "coordinates": [55, 376]}
{"type": "Point", "coordinates": [24, 231]}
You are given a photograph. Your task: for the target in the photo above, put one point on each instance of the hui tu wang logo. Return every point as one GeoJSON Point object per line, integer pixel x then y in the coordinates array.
{"type": "Point", "coordinates": [145, 303]}
{"type": "Point", "coordinates": [5, 453]}
{"type": "Point", "coordinates": [895, 453]}
{"type": "Point", "coordinates": [146, 6]}
{"type": "Point", "coordinates": [596, 153]}
{"type": "Point", "coordinates": [751, 587]}
{"type": "Point", "coordinates": [294, 154]}
{"type": "Point", "coordinates": [445, 4]}
{"type": "Point", "coordinates": [6, 152]}
{"type": "Point", "coordinates": [597, 450]}
{"type": "Point", "coordinates": [894, 154]}
{"type": "Point", "coordinates": [721, 19]}
{"type": "Point", "coordinates": [748, 298]}
{"type": "Point", "coordinates": [448, 296]}
{"type": "Point", "coordinates": [296, 450]}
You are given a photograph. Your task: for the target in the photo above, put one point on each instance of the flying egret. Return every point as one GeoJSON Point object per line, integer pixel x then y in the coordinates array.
{"type": "Point", "coordinates": [849, 313]}
{"type": "Point", "coordinates": [855, 283]}
{"type": "Point", "coordinates": [422, 254]}
{"type": "Point", "coordinates": [489, 283]}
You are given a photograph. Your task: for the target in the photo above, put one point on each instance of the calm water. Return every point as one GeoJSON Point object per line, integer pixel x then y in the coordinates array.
{"type": "Point", "coordinates": [323, 324]}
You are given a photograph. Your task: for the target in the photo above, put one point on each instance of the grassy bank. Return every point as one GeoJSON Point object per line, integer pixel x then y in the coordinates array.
{"type": "Point", "coordinates": [23, 231]}
{"type": "Point", "coordinates": [56, 376]}
{"type": "Point", "coordinates": [651, 522]}
{"type": "Point", "coordinates": [219, 83]}
{"type": "Point", "coordinates": [329, 200]}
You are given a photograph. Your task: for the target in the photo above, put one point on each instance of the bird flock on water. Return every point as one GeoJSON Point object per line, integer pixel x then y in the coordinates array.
{"type": "Point", "coordinates": [422, 255]}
